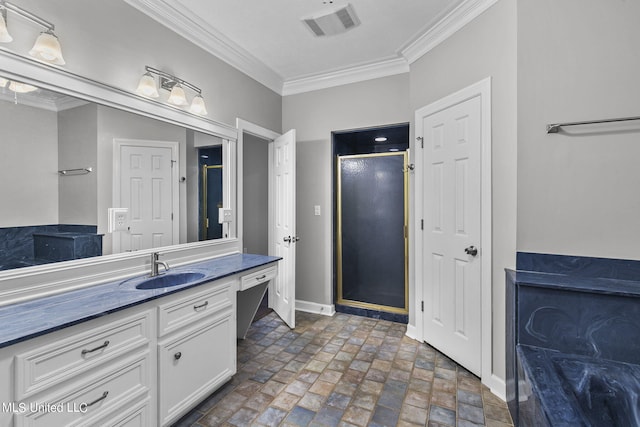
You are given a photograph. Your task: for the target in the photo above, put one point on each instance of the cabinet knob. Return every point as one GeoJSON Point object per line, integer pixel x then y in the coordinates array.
{"type": "Point", "coordinates": [177, 356]}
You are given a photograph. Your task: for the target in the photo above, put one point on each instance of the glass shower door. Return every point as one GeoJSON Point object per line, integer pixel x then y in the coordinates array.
{"type": "Point", "coordinates": [372, 231]}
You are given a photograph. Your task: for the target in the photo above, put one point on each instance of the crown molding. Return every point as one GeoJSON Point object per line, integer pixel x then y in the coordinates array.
{"type": "Point", "coordinates": [32, 99]}
{"type": "Point", "coordinates": [445, 28]}
{"type": "Point", "coordinates": [359, 73]}
{"type": "Point", "coordinates": [196, 31]}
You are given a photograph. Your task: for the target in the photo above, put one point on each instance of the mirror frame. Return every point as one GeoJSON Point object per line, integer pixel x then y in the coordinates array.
{"type": "Point", "coordinates": [26, 283]}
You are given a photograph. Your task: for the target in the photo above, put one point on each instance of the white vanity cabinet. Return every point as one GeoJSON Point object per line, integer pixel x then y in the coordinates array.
{"type": "Point", "coordinates": [94, 373]}
{"type": "Point", "coordinates": [196, 346]}
{"type": "Point", "coordinates": [145, 365]}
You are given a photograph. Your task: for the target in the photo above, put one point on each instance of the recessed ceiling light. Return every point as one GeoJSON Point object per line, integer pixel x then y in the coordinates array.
{"type": "Point", "coordinates": [381, 139]}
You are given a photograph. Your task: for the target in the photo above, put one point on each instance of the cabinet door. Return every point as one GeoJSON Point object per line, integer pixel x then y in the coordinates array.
{"type": "Point", "coordinates": [194, 363]}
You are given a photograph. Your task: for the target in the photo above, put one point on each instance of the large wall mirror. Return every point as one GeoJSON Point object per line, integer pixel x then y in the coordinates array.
{"type": "Point", "coordinates": [80, 178]}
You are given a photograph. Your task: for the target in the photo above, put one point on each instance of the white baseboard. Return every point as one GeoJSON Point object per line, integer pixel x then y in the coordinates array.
{"type": "Point", "coordinates": [497, 386]}
{"type": "Point", "coordinates": [312, 307]}
{"type": "Point", "coordinates": [412, 332]}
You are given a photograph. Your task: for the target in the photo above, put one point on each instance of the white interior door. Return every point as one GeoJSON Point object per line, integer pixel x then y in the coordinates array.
{"type": "Point", "coordinates": [146, 186]}
{"type": "Point", "coordinates": [282, 224]}
{"type": "Point", "coordinates": [452, 231]}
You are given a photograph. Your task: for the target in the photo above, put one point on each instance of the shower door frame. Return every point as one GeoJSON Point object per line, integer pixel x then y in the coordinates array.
{"type": "Point", "coordinates": [339, 252]}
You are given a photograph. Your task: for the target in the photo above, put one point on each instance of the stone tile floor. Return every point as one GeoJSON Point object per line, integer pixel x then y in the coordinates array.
{"type": "Point", "coordinates": [345, 371]}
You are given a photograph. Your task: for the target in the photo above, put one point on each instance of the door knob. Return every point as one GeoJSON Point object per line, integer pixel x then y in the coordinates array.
{"type": "Point", "coordinates": [287, 239]}
{"type": "Point", "coordinates": [296, 239]}
{"type": "Point", "coordinates": [471, 250]}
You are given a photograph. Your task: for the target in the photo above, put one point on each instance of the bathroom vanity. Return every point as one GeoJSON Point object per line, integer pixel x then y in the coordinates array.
{"type": "Point", "coordinates": [135, 352]}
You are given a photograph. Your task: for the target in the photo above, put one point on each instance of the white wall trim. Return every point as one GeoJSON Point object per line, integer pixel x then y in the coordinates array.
{"type": "Point", "coordinates": [313, 307]}
{"type": "Point", "coordinates": [466, 12]}
{"type": "Point", "coordinates": [14, 66]}
{"type": "Point", "coordinates": [388, 67]}
{"type": "Point", "coordinates": [412, 333]}
{"type": "Point", "coordinates": [31, 282]}
{"type": "Point", "coordinates": [482, 89]}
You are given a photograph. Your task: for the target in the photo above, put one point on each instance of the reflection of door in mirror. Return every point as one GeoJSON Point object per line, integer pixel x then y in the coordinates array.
{"type": "Point", "coordinates": [210, 160]}
{"type": "Point", "coordinates": [147, 177]}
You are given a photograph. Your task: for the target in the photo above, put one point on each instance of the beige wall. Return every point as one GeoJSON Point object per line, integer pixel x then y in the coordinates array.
{"type": "Point", "coordinates": [578, 192]}
{"type": "Point", "coordinates": [486, 47]}
{"type": "Point", "coordinates": [77, 148]}
{"type": "Point", "coordinates": [315, 115]}
{"type": "Point", "coordinates": [255, 195]}
{"type": "Point", "coordinates": [28, 166]}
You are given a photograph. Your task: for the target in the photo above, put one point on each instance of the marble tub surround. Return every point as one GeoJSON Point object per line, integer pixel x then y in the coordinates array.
{"type": "Point", "coordinates": [17, 247]}
{"type": "Point", "coordinates": [573, 340]}
{"type": "Point", "coordinates": [578, 266]}
{"type": "Point", "coordinates": [47, 314]}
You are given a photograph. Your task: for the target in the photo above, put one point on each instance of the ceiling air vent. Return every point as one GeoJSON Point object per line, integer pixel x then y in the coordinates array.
{"type": "Point", "coordinates": [335, 22]}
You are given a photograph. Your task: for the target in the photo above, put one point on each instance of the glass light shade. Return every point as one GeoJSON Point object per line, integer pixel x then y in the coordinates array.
{"type": "Point", "coordinates": [147, 86]}
{"type": "Point", "coordinates": [21, 87]}
{"type": "Point", "coordinates": [5, 37]}
{"type": "Point", "coordinates": [177, 96]}
{"type": "Point", "coordinates": [3, 82]}
{"type": "Point", "coordinates": [197, 106]}
{"type": "Point", "coordinates": [47, 48]}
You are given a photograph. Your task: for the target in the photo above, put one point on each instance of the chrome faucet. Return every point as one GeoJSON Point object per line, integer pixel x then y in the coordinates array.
{"type": "Point", "coordinates": [154, 264]}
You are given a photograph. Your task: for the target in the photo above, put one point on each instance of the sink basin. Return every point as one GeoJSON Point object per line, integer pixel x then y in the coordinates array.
{"type": "Point", "coordinates": [167, 280]}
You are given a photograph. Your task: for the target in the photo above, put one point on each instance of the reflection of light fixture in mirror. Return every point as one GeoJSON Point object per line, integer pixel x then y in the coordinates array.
{"type": "Point", "coordinates": [47, 46]}
{"type": "Point", "coordinates": [147, 87]}
{"type": "Point", "coordinates": [18, 87]}
{"type": "Point", "coordinates": [381, 139]}
{"type": "Point", "coordinates": [3, 82]}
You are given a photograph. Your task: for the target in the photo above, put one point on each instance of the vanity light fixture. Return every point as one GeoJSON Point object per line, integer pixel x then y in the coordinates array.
{"type": "Point", "coordinates": [177, 97]}
{"type": "Point", "coordinates": [47, 46]}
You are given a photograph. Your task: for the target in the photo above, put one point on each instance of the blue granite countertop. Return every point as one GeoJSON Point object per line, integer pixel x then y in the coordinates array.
{"type": "Point", "coordinates": [40, 316]}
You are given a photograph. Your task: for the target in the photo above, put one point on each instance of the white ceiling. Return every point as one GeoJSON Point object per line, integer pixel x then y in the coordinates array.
{"type": "Point", "coordinates": [268, 41]}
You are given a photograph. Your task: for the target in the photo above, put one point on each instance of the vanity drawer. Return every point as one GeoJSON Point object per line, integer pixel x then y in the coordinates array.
{"type": "Point", "coordinates": [109, 393]}
{"type": "Point", "coordinates": [48, 365]}
{"type": "Point", "coordinates": [182, 311]}
{"type": "Point", "coordinates": [257, 277]}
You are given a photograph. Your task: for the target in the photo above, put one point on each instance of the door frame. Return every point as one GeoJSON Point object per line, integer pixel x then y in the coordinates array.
{"type": "Point", "coordinates": [269, 136]}
{"type": "Point", "coordinates": [118, 143]}
{"type": "Point", "coordinates": [483, 90]}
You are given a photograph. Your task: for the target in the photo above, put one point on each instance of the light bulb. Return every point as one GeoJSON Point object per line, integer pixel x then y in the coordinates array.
{"type": "Point", "coordinates": [177, 96]}
{"type": "Point", "coordinates": [21, 87]}
{"type": "Point", "coordinates": [47, 48]}
{"type": "Point", "coordinates": [147, 86]}
{"type": "Point", "coordinates": [5, 37]}
{"type": "Point", "coordinates": [197, 106]}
